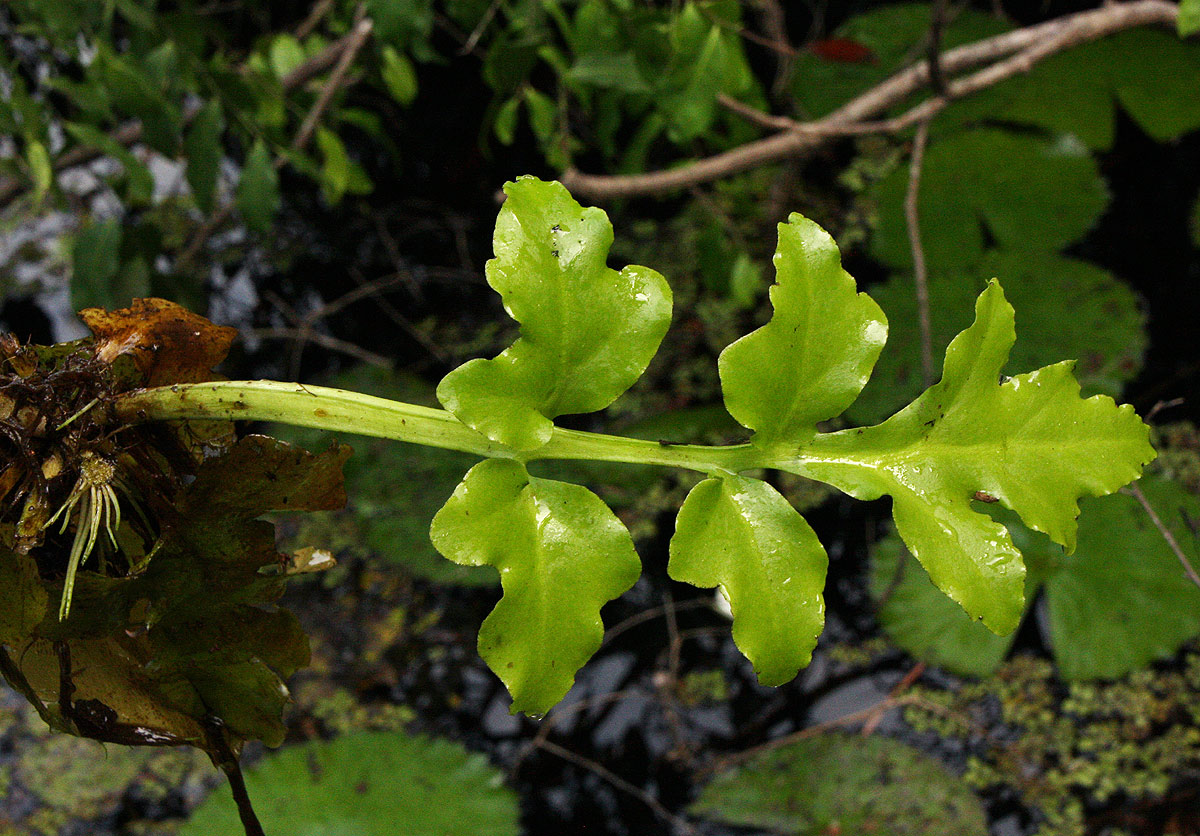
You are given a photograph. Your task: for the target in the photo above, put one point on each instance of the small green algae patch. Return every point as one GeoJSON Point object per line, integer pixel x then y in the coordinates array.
{"type": "Point", "coordinates": [1080, 753]}
{"type": "Point", "coordinates": [54, 785]}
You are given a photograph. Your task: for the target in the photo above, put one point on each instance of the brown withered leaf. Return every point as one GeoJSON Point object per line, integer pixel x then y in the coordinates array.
{"type": "Point", "coordinates": [169, 343]}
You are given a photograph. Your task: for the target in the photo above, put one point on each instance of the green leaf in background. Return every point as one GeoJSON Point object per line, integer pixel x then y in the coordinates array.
{"type": "Point", "coordinates": [1029, 194]}
{"type": "Point", "coordinates": [40, 169]}
{"type": "Point", "coordinates": [335, 166]}
{"type": "Point", "coordinates": [893, 36]}
{"type": "Point", "coordinates": [562, 555]}
{"type": "Point", "coordinates": [543, 113]}
{"type": "Point", "coordinates": [367, 784]}
{"type": "Point", "coordinates": [258, 190]}
{"type": "Point", "coordinates": [918, 617]}
{"type": "Point", "coordinates": [1152, 74]}
{"type": "Point", "coordinates": [204, 152]}
{"type": "Point", "coordinates": [24, 597]}
{"type": "Point", "coordinates": [399, 76]}
{"type": "Point", "coordinates": [1122, 600]}
{"type": "Point", "coordinates": [1156, 77]}
{"type": "Point", "coordinates": [708, 61]}
{"type": "Point", "coordinates": [134, 92]}
{"type": "Point", "coordinates": [505, 123]}
{"type": "Point", "coordinates": [812, 359]}
{"type": "Point", "coordinates": [741, 535]}
{"type": "Point", "coordinates": [1030, 442]}
{"type": "Point", "coordinates": [1119, 603]}
{"type": "Point", "coordinates": [1189, 18]}
{"type": "Point", "coordinates": [97, 257]}
{"type": "Point", "coordinates": [401, 23]}
{"type": "Point", "coordinates": [1067, 309]}
{"type": "Point", "coordinates": [614, 71]}
{"type": "Point", "coordinates": [285, 54]}
{"type": "Point", "coordinates": [587, 331]}
{"type": "Point", "coordinates": [834, 783]}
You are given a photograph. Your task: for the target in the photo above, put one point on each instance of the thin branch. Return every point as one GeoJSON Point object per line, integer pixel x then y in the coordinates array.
{"type": "Point", "coordinates": [315, 14]}
{"type": "Point", "coordinates": [328, 341]}
{"type": "Point", "coordinates": [774, 24]}
{"type": "Point", "coordinates": [372, 288]}
{"type": "Point", "coordinates": [1159, 406]}
{"type": "Point", "coordinates": [756, 117]}
{"type": "Point", "coordinates": [674, 643]}
{"type": "Point", "coordinates": [920, 274]}
{"type": "Point", "coordinates": [200, 237]}
{"type": "Point", "coordinates": [1136, 492]}
{"type": "Point", "coordinates": [619, 783]}
{"type": "Point", "coordinates": [649, 615]}
{"type": "Point", "coordinates": [907, 681]}
{"type": "Point", "coordinates": [865, 714]}
{"type": "Point", "coordinates": [485, 20]}
{"type": "Point", "coordinates": [1031, 44]}
{"type": "Point", "coordinates": [358, 38]}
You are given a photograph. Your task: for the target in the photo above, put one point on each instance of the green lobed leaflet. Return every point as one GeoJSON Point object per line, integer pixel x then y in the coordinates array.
{"type": "Point", "coordinates": [587, 332]}
{"type": "Point", "coordinates": [1029, 442]}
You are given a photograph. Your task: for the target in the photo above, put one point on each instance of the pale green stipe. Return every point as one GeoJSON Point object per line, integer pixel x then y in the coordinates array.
{"type": "Point", "coordinates": [354, 413]}
{"type": "Point", "coordinates": [587, 331]}
{"type": "Point", "coordinates": [561, 553]}
{"type": "Point", "coordinates": [740, 534]}
{"type": "Point", "coordinates": [815, 355]}
{"type": "Point", "coordinates": [1030, 442]}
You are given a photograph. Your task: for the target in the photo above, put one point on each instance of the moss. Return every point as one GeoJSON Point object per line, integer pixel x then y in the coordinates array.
{"type": "Point", "coordinates": [703, 687]}
{"type": "Point", "coordinates": [340, 712]}
{"type": "Point", "coordinates": [55, 784]}
{"type": "Point", "coordinates": [1074, 751]}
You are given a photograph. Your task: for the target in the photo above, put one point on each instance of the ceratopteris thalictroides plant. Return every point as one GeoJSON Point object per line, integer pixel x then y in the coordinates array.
{"type": "Point", "coordinates": [135, 578]}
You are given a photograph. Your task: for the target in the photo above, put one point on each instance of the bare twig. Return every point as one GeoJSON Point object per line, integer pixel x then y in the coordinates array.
{"type": "Point", "coordinates": [896, 700]}
{"type": "Point", "coordinates": [373, 288]}
{"type": "Point", "coordinates": [920, 274]}
{"type": "Point", "coordinates": [318, 11]}
{"type": "Point", "coordinates": [328, 341]}
{"type": "Point", "coordinates": [1159, 406]}
{"type": "Point", "coordinates": [1027, 46]}
{"type": "Point", "coordinates": [358, 37]}
{"type": "Point", "coordinates": [200, 237]}
{"type": "Point", "coordinates": [214, 732]}
{"type": "Point", "coordinates": [484, 21]}
{"type": "Point", "coordinates": [907, 681]}
{"type": "Point", "coordinates": [1136, 492]}
{"type": "Point", "coordinates": [756, 117]}
{"type": "Point", "coordinates": [883, 706]}
{"type": "Point", "coordinates": [649, 615]}
{"type": "Point", "coordinates": [774, 24]}
{"type": "Point", "coordinates": [619, 783]}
